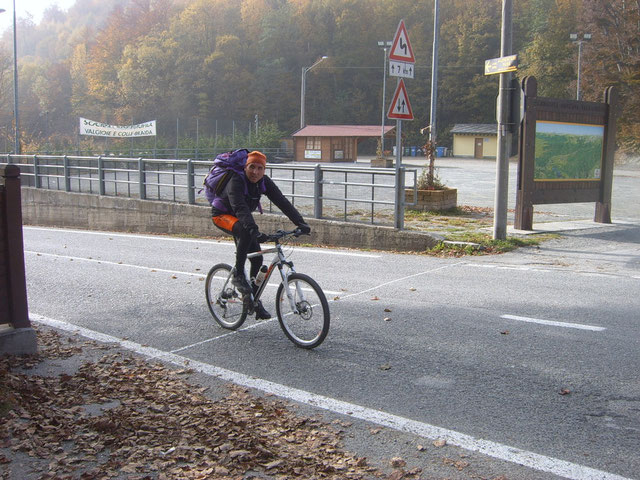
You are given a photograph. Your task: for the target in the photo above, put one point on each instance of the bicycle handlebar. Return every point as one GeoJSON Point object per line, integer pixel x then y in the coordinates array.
{"type": "Point", "coordinates": [273, 237]}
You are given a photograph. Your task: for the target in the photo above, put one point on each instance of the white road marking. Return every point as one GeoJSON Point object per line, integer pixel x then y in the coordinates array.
{"type": "Point", "coordinates": [224, 243]}
{"type": "Point", "coordinates": [401, 279]}
{"type": "Point", "coordinates": [550, 269]}
{"type": "Point", "coordinates": [107, 262]}
{"type": "Point", "coordinates": [553, 323]}
{"type": "Point", "coordinates": [228, 334]}
{"type": "Point", "coordinates": [149, 269]}
{"type": "Point", "coordinates": [500, 451]}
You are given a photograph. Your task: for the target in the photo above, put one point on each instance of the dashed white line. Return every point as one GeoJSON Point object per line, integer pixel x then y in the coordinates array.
{"type": "Point", "coordinates": [107, 262]}
{"type": "Point", "coordinates": [553, 323]}
{"type": "Point", "coordinates": [401, 279]}
{"type": "Point", "coordinates": [500, 451]}
{"type": "Point", "coordinates": [551, 269]}
{"type": "Point", "coordinates": [149, 269]}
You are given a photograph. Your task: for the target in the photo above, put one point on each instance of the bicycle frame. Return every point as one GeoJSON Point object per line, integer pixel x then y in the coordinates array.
{"type": "Point", "coordinates": [280, 261]}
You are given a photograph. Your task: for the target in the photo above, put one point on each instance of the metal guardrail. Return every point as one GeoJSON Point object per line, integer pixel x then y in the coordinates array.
{"type": "Point", "coordinates": [326, 191]}
{"type": "Point", "coordinates": [182, 153]}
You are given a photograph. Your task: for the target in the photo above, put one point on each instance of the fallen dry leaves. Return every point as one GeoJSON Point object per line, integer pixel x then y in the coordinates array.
{"type": "Point", "coordinates": [122, 415]}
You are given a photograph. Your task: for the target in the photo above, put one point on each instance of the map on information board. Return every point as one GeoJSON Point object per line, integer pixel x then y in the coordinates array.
{"type": "Point", "coordinates": [568, 151]}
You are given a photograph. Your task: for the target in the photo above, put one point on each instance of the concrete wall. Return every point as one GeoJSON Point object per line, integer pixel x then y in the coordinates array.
{"type": "Point", "coordinates": [79, 210]}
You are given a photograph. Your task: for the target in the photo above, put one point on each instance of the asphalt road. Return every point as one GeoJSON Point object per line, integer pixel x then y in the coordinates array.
{"type": "Point", "coordinates": [528, 358]}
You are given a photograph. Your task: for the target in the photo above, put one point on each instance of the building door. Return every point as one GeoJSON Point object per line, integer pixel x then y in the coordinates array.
{"type": "Point", "coordinates": [477, 149]}
{"type": "Point", "coordinates": [337, 149]}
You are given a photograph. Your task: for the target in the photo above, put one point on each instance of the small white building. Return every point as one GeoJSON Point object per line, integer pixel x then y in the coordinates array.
{"type": "Point", "coordinates": [475, 140]}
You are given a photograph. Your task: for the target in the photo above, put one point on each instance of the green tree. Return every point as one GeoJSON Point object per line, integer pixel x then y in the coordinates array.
{"type": "Point", "coordinates": [613, 58]}
{"type": "Point", "coordinates": [470, 34]}
{"type": "Point", "coordinates": [550, 56]}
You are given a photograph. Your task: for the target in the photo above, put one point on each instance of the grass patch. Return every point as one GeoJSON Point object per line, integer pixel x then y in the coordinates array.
{"type": "Point", "coordinates": [476, 243]}
{"type": "Point", "coordinates": [447, 221]}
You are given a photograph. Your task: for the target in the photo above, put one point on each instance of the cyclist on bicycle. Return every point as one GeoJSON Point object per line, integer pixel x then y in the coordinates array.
{"type": "Point", "coordinates": [240, 223]}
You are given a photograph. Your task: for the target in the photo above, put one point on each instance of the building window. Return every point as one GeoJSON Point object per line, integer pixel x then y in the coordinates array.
{"type": "Point", "coordinates": [313, 143]}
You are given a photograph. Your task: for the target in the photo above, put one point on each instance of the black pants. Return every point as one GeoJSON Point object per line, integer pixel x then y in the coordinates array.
{"type": "Point", "coordinates": [245, 243]}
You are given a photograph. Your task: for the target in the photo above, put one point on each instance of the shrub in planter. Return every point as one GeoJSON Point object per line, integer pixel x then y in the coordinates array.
{"type": "Point", "coordinates": [432, 194]}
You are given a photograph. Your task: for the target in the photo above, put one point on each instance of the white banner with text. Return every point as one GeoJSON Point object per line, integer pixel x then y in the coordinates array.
{"type": "Point", "coordinates": [99, 129]}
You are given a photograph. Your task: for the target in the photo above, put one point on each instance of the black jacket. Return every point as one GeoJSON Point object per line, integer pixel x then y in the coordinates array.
{"type": "Point", "coordinates": [242, 205]}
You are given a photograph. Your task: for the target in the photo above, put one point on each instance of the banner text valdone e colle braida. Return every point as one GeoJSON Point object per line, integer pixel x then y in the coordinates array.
{"type": "Point", "coordinates": [99, 129]}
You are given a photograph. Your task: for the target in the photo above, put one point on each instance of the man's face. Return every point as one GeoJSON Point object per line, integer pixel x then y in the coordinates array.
{"type": "Point", "coordinates": [254, 172]}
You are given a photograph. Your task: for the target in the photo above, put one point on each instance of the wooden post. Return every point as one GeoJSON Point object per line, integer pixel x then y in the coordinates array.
{"type": "Point", "coordinates": [13, 251]}
{"type": "Point", "coordinates": [526, 158]}
{"type": "Point", "coordinates": [603, 205]}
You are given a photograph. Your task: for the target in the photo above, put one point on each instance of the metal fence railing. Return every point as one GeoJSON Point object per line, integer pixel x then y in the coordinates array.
{"type": "Point", "coordinates": [274, 155]}
{"type": "Point", "coordinates": [338, 192]}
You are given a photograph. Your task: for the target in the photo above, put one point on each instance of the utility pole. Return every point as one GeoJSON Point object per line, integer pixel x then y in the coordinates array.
{"type": "Point", "coordinates": [504, 134]}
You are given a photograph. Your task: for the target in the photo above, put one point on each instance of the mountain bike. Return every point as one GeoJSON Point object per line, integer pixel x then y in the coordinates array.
{"type": "Point", "coordinates": [301, 305]}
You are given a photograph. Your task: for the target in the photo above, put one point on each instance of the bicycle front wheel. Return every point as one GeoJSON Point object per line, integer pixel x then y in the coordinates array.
{"type": "Point", "coordinates": [307, 324]}
{"type": "Point", "coordinates": [223, 299]}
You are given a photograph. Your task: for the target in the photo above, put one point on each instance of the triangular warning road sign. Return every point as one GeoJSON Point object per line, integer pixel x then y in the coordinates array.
{"type": "Point", "coordinates": [400, 108]}
{"type": "Point", "coordinates": [401, 50]}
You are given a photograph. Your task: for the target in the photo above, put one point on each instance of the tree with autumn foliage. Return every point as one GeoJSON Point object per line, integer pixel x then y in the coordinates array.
{"type": "Point", "coordinates": [208, 63]}
{"type": "Point", "coordinates": [613, 58]}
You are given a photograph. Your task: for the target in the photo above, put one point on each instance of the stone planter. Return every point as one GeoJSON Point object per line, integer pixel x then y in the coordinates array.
{"type": "Point", "coordinates": [382, 162]}
{"type": "Point", "coordinates": [432, 200]}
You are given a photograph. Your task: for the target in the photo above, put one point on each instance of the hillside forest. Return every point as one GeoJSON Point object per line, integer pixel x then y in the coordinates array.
{"type": "Point", "coordinates": [207, 68]}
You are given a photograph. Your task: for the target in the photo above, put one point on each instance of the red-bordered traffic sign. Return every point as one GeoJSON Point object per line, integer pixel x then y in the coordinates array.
{"type": "Point", "coordinates": [400, 108]}
{"type": "Point", "coordinates": [401, 48]}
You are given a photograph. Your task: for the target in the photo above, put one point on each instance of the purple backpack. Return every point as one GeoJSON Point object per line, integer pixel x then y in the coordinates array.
{"type": "Point", "coordinates": [225, 165]}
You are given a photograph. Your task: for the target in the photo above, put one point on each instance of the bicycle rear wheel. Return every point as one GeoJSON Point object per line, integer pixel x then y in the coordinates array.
{"type": "Point", "coordinates": [223, 299]}
{"type": "Point", "coordinates": [309, 326]}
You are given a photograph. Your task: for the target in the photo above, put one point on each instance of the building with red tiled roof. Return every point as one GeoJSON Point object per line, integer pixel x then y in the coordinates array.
{"type": "Point", "coordinates": [332, 143]}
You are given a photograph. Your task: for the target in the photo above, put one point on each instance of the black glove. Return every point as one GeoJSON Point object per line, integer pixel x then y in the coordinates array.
{"type": "Point", "coordinates": [304, 228]}
{"type": "Point", "coordinates": [262, 237]}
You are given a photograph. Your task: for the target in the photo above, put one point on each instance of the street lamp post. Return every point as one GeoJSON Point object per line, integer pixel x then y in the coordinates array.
{"type": "Point", "coordinates": [15, 82]}
{"type": "Point", "coordinates": [585, 38]}
{"type": "Point", "coordinates": [302, 88]}
{"type": "Point", "coordinates": [384, 45]}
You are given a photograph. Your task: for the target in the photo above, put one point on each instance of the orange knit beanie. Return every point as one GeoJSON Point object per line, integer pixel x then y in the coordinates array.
{"type": "Point", "coordinates": [257, 157]}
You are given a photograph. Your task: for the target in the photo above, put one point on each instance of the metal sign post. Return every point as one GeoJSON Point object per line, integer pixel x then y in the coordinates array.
{"type": "Point", "coordinates": [400, 109]}
{"type": "Point", "coordinates": [398, 212]}
{"type": "Point", "coordinates": [401, 65]}
{"type": "Point", "coordinates": [504, 134]}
